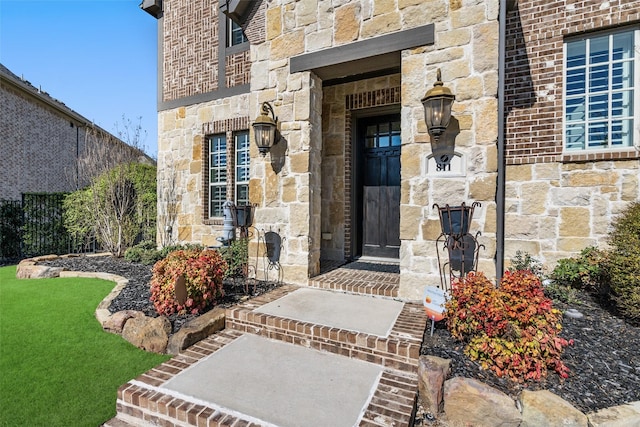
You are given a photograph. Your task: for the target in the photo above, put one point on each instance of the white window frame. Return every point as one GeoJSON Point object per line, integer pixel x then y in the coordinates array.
{"type": "Point", "coordinates": [217, 170]}
{"type": "Point", "coordinates": [241, 151]}
{"type": "Point", "coordinates": [230, 29]}
{"type": "Point", "coordinates": [635, 117]}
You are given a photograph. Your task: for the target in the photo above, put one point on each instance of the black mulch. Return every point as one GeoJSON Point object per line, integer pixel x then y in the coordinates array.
{"type": "Point", "coordinates": [604, 359]}
{"type": "Point", "coordinates": [136, 295]}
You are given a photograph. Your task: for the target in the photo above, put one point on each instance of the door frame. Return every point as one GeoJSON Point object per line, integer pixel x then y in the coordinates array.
{"type": "Point", "coordinates": [357, 165]}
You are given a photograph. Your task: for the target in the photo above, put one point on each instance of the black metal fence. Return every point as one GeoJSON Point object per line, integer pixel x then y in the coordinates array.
{"type": "Point", "coordinates": [34, 226]}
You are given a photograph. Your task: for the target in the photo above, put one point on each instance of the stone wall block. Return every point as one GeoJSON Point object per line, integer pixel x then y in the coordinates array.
{"type": "Point", "coordinates": [483, 188]}
{"type": "Point", "coordinates": [521, 226]}
{"type": "Point", "coordinates": [431, 229]}
{"type": "Point", "coordinates": [381, 24]}
{"type": "Point", "coordinates": [451, 191]}
{"type": "Point", "coordinates": [469, 88]}
{"type": "Point", "coordinates": [306, 12]}
{"type": "Point", "coordinates": [565, 196]}
{"type": "Point", "coordinates": [520, 173]}
{"type": "Point", "coordinates": [347, 23]}
{"type": "Point", "coordinates": [485, 47]}
{"type": "Point", "coordinates": [457, 37]}
{"type": "Point", "coordinates": [591, 178]}
{"type": "Point", "coordinates": [287, 45]}
{"type": "Point", "coordinates": [410, 219]}
{"type": "Point", "coordinates": [468, 16]}
{"type": "Point", "coordinates": [575, 222]}
{"type": "Point", "coordinates": [534, 200]}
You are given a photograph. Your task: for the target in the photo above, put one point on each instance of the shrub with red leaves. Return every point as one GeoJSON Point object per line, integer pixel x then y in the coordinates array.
{"type": "Point", "coordinates": [511, 329]}
{"type": "Point", "coordinates": [202, 270]}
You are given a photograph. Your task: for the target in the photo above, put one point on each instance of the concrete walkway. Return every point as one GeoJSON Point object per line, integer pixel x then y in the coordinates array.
{"type": "Point", "coordinates": [294, 357]}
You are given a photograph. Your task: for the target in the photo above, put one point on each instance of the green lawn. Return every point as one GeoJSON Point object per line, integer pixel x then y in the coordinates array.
{"type": "Point", "coordinates": [57, 366]}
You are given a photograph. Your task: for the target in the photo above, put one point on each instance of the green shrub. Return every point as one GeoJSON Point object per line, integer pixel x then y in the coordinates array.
{"type": "Point", "coordinates": [524, 261]}
{"type": "Point", "coordinates": [561, 293]}
{"type": "Point", "coordinates": [511, 329]}
{"type": "Point", "coordinates": [237, 256]}
{"type": "Point", "coordinates": [582, 272]}
{"type": "Point", "coordinates": [144, 252]}
{"type": "Point", "coordinates": [202, 270]}
{"type": "Point", "coordinates": [118, 207]}
{"type": "Point", "coordinates": [177, 247]}
{"type": "Point", "coordinates": [622, 265]}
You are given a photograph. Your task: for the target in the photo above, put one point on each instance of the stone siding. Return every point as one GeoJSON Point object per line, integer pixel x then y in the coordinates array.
{"type": "Point", "coordinates": [466, 50]}
{"type": "Point", "coordinates": [554, 210]}
{"type": "Point", "coordinates": [182, 171]}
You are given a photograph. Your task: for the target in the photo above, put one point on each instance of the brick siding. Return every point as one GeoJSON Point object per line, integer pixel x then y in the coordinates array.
{"type": "Point", "coordinates": [534, 64]}
{"type": "Point", "coordinates": [38, 147]}
{"type": "Point", "coordinates": [190, 48]}
{"type": "Point", "coordinates": [193, 47]}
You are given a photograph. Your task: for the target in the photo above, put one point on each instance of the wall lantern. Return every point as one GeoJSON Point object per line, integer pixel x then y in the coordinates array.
{"type": "Point", "coordinates": [437, 104]}
{"type": "Point", "coordinates": [265, 129]}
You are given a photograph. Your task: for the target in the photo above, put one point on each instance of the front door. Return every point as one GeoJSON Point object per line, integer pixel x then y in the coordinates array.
{"type": "Point", "coordinates": [379, 138]}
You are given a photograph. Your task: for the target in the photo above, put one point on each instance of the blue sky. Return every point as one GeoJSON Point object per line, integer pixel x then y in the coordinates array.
{"type": "Point", "coordinates": [98, 57]}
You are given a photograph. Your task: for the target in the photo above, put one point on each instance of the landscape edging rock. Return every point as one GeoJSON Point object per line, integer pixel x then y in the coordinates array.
{"type": "Point", "coordinates": [616, 416]}
{"type": "Point", "coordinates": [194, 330]}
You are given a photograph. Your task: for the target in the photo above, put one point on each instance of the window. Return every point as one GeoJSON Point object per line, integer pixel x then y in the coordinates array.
{"type": "Point", "coordinates": [217, 174]}
{"type": "Point", "coordinates": [228, 170]}
{"type": "Point", "coordinates": [235, 35]}
{"type": "Point", "coordinates": [241, 140]}
{"type": "Point", "coordinates": [601, 91]}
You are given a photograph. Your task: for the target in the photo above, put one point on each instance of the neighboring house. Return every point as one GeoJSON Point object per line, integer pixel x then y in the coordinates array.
{"type": "Point", "coordinates": [354, 174]}
{"type": "Point", "coordinates": [42, 140]}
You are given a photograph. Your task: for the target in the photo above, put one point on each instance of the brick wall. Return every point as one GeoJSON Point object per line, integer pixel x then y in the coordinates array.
{"type": "Point", "coordinates": [534, 63]}
{"type": "Point", "coordinates": [193, 48]}
{"type": "Point", "coordinates": [190, 48]}
{"type": "Point", "coordinates": [38, 146]}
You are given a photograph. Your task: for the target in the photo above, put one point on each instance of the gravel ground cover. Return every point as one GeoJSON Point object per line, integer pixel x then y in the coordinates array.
{"type": "Point", "coordinates": [604, 360]}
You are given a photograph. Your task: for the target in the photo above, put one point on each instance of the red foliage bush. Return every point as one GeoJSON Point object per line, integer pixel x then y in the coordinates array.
{"type": "Point", "coordinates": [203, 271]}
{"type": "Point", "coordinates": [511, 329]}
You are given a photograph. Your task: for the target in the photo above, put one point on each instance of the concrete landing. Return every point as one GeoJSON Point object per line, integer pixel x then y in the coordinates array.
{"type": "Point", "coordinates": [370, 315]}
{"type": "Point", "coordinates": [281, 384]}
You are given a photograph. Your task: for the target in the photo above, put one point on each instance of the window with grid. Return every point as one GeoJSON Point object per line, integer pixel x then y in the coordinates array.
{"type": "Point", "coordinates": [601, 96]}
{"type": "Point", "coordinates": [235, 35]}
{"type": "Point", "coordinates": [241, 140]}
{"type": "Point", "coordinates": [217, 174]}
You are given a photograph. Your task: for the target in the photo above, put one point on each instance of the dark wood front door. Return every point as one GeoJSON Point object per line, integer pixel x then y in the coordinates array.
{"type": "Point", "coordinates": [380, 141]}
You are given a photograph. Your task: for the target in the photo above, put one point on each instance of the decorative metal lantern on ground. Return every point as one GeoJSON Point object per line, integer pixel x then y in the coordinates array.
{"type": "Point", "coordinates": [462, 248]}
{"type": "Point", "coordinates": [243, 219]}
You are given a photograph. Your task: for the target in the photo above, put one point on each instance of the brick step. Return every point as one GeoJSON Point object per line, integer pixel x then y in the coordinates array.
{"type": "Point", "coordinates": [358, 282]}
{"type": "Point", "coordinates": [144, 402]}
{"type": "Point", "coordinates": [399, 350]}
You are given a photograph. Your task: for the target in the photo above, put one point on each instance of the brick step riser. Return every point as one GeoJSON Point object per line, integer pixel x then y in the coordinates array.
{"type": "Point", "coordinates": [400, 350]}
{"type": "Point", "coordinates": [358, 287]}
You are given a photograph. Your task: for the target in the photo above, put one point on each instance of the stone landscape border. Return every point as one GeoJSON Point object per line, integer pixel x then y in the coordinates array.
{"type": "Point", "coordinates": [147, 333]}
